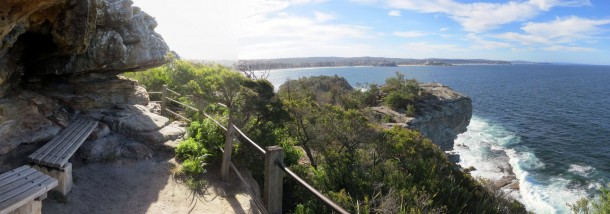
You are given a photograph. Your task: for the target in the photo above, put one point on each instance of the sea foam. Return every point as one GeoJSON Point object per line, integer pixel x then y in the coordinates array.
{"type": "Point", "coordinates": [496, 152]}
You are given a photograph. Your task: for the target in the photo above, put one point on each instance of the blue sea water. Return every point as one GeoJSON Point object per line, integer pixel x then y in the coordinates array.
{"type": "Point", "coordinates": [553, 122]}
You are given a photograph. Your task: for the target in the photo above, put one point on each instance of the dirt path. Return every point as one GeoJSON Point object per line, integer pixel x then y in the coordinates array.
{"type": "Point", "coordinates": [147, 186]}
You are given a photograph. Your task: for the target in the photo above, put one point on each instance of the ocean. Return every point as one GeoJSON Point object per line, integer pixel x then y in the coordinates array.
{"type": "Point", "coordinates": [551, 123]}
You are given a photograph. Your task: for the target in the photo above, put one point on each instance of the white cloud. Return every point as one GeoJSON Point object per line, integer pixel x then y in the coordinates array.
{"type": "Point", "coordinates": [548, 4]}
{"type": "Point", "coordinates": [483, 16]}
{"type": "Point", "coordinates": [570, 27]}
{"type": "Point", "coordinates": [279, 34]}
{"type": "Point", "coordinates": [569, 48]}
{"type": "Point", "coordinates": [410, 34]}
{"type": "Point", "coordinates": [394, 13]}
{"type": "Point", "coordinates": [554, 35]}
{"type": "Point", "coordinates": [525, 39]}
{"type": "Point", "coordinates": [323, 17]}
{"type": "Point", "coordinates": [484, 44]}
{"type": "Point", "coordinates": [480, 17]}
{"type": "Point", "coordinates": [443, 29]}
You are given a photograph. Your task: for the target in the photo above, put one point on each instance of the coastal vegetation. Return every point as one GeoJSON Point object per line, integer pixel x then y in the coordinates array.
{"type": "Point", "coordinates": [600, 205]}
{"type": "Point", "coordinates": [327, 131]}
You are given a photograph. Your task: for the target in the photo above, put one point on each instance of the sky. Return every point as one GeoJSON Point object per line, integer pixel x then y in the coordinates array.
{"type": "Point", "coordinates": [571, 31]}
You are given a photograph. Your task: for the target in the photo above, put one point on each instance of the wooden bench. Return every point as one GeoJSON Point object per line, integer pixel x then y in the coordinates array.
{"type": "Point", "coordinates": [23, 189]}
{"type": "Point", "coordinates": [52, 158]}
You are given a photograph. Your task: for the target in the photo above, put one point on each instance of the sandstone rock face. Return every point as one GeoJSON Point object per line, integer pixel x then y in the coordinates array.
{"type": "Point", "coordinates": [112, 147]}
{"type": "Point", "coordinates": [92, 91]}
{"type": "Point", "coordinates": [42, 37]}
{"type": "Point", "coordinates": [443, 115]}
{"type": "Point", "coordinates": [173, 131]}
{"type": "Point", "coordinates": [61, 59]}
{"type": "Point", "coordinates": [27, 118]}
{"type": "Point", "coordinates": [140, 124]}
{"type": "Point", "coordinates": [129, 119]}
{"type": "Point", "coordinates": [123, 40]}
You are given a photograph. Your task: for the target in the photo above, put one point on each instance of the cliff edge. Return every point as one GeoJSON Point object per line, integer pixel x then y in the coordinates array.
{"type": "Point", "coordinates": [441, 116]}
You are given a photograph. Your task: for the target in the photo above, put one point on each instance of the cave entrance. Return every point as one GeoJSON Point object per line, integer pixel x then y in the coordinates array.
{"type": "Point", "coordinates": [31, 48]}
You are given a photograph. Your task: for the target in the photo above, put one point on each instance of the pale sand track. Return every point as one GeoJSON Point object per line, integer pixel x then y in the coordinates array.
{"type": "Point", "coordinates": [145, 186]}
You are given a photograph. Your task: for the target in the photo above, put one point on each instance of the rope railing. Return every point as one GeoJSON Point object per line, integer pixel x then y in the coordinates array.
{"type": "Point", "coordinates": [273, 161]}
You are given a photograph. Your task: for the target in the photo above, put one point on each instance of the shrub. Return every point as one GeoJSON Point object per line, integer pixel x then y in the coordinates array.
{"type": "Point", "coordinates": [205, 134]}
{"type": "Point", "coordinates": [193, 166]}
{"type": "Point", "coordinates": [410, 110]}
{"type": "Point", "coordinates": [395, 100]}
{"type": "Point", "coordinates": [190, 149]}
{"type": "Point", "coordinates": [600, 205]}
{"type": "Point", "coordinates": [400, 92]}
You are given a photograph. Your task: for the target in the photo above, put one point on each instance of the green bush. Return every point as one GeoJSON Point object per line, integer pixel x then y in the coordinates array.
{"type": "Point", "coordinates": [400, 92]}
{"type": "Point", "coordinates": [410, 110]}
{"type": "Point", "coordinates": [193, 156]}
{"type": "Point", "coordinates": [206, 134]}
{"type": "Point", "coordinates": [395, 100]}
{"type": "Point", "coordinates": [194, 166]}
{"type": "Point", "coordinates": [190, 149]}
{"type": "Point", "coordinates": [600, 205]}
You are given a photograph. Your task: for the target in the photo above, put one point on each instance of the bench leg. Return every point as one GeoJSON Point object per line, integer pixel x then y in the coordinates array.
{"type": "Point", "coordinates": [34, 207]}
{"type": "Point", "coordinates": [64, 176]}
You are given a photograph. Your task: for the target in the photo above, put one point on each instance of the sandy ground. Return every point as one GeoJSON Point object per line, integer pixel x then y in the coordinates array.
{"type": "Point", "coordinates": [145, 186]}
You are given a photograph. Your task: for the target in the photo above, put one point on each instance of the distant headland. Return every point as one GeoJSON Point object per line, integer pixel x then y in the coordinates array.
{"type": "Point", "coordinates": [308, 62]}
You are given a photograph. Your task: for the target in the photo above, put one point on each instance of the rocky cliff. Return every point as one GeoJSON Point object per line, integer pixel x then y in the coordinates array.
{"type": "Point", "coordinates": [60, 59]}
{"type": "Point", "coordinates": [441, 116]}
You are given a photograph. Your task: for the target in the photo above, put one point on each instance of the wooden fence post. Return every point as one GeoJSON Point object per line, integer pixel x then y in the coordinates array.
{"type": "Point", "coordinates": [273, 179]}
{"type": "Point", "coordinates": [163, 102]}
{"type": "Point", "coordinates": [226, 157]}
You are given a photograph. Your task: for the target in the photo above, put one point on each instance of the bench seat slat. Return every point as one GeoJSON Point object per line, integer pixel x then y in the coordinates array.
{"type": "Point", "coordinates": [23, 181]}
{"type": "Point", "coordinates": [16, 176]}
{"type": "Point", "coordinates": [10, 173]}
{"type": "Point", "coordinates": [28, 195]}
{"type": "Point", "coordinates": [50, 146]}
{"type": "Point", "coordinates": [10, 193]}
{"type": "Point", "coordinates": [30, 185]}
{"type": "Point", "coordinates": [64, 145]}
{"type": "Point", "coordinates": [57, 152]}
{"type": "Point", "coordinates": [65, 155]}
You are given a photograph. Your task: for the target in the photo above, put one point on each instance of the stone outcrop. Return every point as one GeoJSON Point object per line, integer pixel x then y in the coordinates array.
{"type": "Point", "coordinates": [28, 118]}
{"type": "Point", "coordinates": [441, 116]}
{"type": "Point", "coordinates": [61, 59]}
{"type": "Point", "coordinates": [114, 146]}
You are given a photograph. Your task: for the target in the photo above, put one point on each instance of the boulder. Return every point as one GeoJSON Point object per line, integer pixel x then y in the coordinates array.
{"type": "Point", "coordinates": [133, 119]}
{"type": "Point", "coordinates": [25, 119]}
{"type": "Point", "coordinates": [173, 131]}
{"type": "Point", "coordinates": [112, 147]}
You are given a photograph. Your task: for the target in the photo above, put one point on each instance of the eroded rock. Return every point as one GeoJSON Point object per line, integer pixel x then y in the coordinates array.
{"type": "Point", "coordinates": [112, 147]}
{"type": "Point", "coordinates": [133, 119]}
{"type": "Point", "coordinates": [25, 119]}
{"type": "Point", "coordinates": [94, 91]}
{"type": "Point", "coordinates": [442, 116]}
{"type": "Point", "coordinates": [173, 131]}
{"type": "Point", "coordinates": [123, 40]}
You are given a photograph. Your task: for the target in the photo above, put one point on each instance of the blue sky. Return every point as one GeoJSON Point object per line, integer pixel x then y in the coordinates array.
{"type": "Point", "coordinates": [573, 31]}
